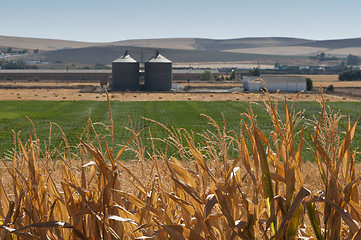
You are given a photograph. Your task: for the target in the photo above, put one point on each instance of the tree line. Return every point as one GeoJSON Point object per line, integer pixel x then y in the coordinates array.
{"type": "Point", "coordinates": [350, 75]}
{"type": "Point", "coordinates": [16, 64]}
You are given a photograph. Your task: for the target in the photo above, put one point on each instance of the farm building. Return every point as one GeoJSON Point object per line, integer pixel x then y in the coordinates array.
{"type": "Point", "coordinates": [158, 73]}
{"type": "Point", "coordinates": [56, 75]}
{"type": "Point", "coordinates": [125, 73]}
{"type": "Point", "coordinates": [274, 83]}
{"type": "Point", "coordinates": [88, 75]}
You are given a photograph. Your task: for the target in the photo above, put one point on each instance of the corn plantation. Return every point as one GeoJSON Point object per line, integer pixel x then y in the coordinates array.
{"type": "Point", "coordinates": [199, 192]}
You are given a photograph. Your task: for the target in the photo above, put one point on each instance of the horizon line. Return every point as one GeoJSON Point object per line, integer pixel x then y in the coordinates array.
{"type": "Point", "coordinates": [159, 38]}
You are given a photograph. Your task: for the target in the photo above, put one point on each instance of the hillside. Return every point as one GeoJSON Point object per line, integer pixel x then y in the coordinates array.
{"type": "Point", "coordinates": [334, 44]}
{"type": "Point", "coordinates": [106, 54]}
{"type": "Point", "coordinates": [170, 43]}
{"type": "Point", "coordinates": [185, 49]}
{"type": "Point", "coordinates": [228, 44]}
{"type": "Point", "coordinates": [41, 43]}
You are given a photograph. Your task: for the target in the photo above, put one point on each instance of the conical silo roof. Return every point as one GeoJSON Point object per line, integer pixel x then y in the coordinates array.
{"type": "Point", "coordinates": [158, 73]}
{"type": "Point", "coordinates": [126, 58]}
{"type": "Point", "coordinates": [125, 73]}
{"type": "Point", "coordinates": [159, 59]}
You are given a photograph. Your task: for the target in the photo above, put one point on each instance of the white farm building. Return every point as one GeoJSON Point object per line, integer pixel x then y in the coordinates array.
{"type": "Point", "coordinates": [274, 83]}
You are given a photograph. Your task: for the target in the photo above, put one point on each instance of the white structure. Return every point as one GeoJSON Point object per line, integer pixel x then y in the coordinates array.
{"type": "Point", "coordinates": [274, 83]}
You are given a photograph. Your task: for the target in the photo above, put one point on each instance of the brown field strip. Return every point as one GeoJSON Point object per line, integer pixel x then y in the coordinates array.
{"type": "Point", "coordinates": [76, 95]}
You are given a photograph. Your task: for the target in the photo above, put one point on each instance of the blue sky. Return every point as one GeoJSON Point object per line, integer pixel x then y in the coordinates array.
{"type": "Point", "coordinates": [111, 20]}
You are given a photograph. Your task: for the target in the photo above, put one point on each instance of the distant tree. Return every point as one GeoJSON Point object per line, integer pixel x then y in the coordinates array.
{"type": "Point", "coordinates": [309, 84]}
{"type": "Point", "coordinates": [9, 50]}
{"type": "Point", "coordinates": [21, 64]}
{"type": "Point", "coordinates": [233, 75]}
{"type": "Point", "coordinates": [101, 66]}
{"type": "Point", "coordinates": [323, 57]}
{"type": "Point", "coordinates": [350, 75]}
{"type": "Point", "coordinates": [255, 72]}
{"type": "Point", "coordinates": [207, 76]}
{"type": "Point", "coordinates": [187, 88]}
{"type": "Point", "coordinates": [353, 60]}
{"type": "Point", "coordinates": [330, 88]}
{"type": "Point", "coordinates": [14, 64]}
{"type": "Point", "coordinates": [31, 67]}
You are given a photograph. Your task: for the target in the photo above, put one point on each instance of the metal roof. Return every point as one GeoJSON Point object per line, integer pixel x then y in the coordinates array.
{"type": "Point", "coordinates": [126, 58]}
{"type": "Point", "coordinates": [277, 79]}
{"type": "Point", "coordinates": [159, 59]}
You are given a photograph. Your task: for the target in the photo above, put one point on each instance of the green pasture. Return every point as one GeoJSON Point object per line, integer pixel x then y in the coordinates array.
{"type": "Point", "coordinates": [72, 117]}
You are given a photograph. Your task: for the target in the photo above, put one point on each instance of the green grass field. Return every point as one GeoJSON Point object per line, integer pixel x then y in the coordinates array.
{"type": "Point", "coordinates": [72, 117]}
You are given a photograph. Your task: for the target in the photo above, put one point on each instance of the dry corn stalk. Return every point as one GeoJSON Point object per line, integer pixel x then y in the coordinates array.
{"type": "Point", "coordinates": [201, 192]}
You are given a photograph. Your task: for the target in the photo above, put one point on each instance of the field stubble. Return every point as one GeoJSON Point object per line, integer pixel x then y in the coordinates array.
{"type": "Point", "coordinates": [76, 95]}
{"type": "Point", "coordinates": [77, 91]}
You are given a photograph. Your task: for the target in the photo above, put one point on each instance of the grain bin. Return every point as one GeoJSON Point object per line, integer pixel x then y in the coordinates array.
{"type": "Point", "coordinates": [158, 73]}
{"type": "Point", "coordinates": [125, 73]}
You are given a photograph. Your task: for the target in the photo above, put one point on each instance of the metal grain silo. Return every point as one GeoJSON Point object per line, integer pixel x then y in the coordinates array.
{"type": "Point", "coordinates": [158, 73]}
{"type": "Point", "coordinates": [125, 73]}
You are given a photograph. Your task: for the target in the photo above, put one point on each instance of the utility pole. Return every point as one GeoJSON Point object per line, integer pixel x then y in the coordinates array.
{"type": "Point", "coordinates": [189, 72]}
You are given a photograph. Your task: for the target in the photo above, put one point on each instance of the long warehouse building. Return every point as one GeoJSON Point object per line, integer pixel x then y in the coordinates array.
{"type": "Point", "coordinates": [275, 83]}
{"type": "Point", "coordinates": [88, 75]}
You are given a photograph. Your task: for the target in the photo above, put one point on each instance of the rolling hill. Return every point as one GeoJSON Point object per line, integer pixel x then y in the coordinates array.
{"type": "Point", "coordinates": [170, 43]}
{"type": "Point", "coordinates": [185, 49]}
{"type": "Point", "coordinates": [229, 44]}
{"type": "Point", "coordinates": [106, 54]}
{"type": "Point", "coordinates": [334, 44]}
{"type": "Point", "coordinates": [41, 43]}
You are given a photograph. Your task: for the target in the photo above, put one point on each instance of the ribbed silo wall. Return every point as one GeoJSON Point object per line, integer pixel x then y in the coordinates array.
{"type": "Point", "coordinates": [158, 76]}
{"type": "Point", "coordinates": [125, 76]}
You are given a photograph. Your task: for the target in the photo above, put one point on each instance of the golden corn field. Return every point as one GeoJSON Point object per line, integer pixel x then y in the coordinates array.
{"type": "Point", "coordinates": [199, 192]}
